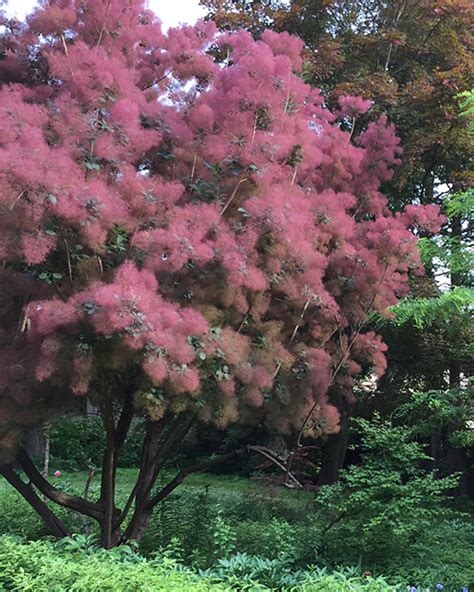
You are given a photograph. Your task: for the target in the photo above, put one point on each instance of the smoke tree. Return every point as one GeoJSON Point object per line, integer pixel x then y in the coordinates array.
{"type": "Point", "coordinates": [188, 234]}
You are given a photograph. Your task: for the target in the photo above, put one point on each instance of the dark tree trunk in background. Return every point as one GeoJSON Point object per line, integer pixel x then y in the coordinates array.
{"type": "Point", "coordinates": [334, 450]}
{"type": "Point", "coordinates": [457, 458]}
{"type": "Point", "coordinates": [35, 442]}
{"type": "Point", "coordinates": [47, 443]}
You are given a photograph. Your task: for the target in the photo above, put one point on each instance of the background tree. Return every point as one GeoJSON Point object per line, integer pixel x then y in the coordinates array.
{"type": "Point", "coordinates": [410, 57]}
{"type": "Point", "coordinates": [429, 377]}
{"type": "Point", "coordinates": [187, 234]}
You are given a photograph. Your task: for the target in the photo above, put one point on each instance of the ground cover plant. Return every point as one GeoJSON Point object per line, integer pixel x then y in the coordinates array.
{"type": "Point", "coordinates": [76, 564]}
{"type": "Point", "coordinates": [70, 565]}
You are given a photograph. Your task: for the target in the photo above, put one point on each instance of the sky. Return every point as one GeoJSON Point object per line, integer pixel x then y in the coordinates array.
{"type": "Point", "coordinates": [171, 12]}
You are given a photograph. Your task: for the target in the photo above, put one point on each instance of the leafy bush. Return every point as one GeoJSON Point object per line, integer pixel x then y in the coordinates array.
{"type": "Point", "coordinates": [43, 566]}
{"type": "Point", "coordinates": [18, 518]}
{"type": "Point", "coordinates": [444, 553]}
{"type": "Point", "coordinates": [257, 573]}
{"type": "Point", "coordinates": [390, 514]}
{"type": "Point", "coordinates": [77, 443]}
{"type": "Point", "coordinates": [297, 542]}
{"type": "Point", "coordinates": [74, 564]}
{"type": "Point", "coordinates": [210, 524]}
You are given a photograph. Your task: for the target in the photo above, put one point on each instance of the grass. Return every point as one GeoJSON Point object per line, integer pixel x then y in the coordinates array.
{"type": "Point", "coordinates": [221, 484]}
{"type": "Point", "coordinates": [239, 498]}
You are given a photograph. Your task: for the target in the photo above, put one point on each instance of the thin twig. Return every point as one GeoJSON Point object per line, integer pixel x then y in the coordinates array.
{"type": "Point", "coordinates": [63, 39]}
{"type": "Point", "coordinates": [193, 169]}
{"type": "Point", "coordinates": [231, 198]}
{"type": "Point", "coordinates": [295, 331]}
{"type": "Point", "coordinates": [68, 257]}
{"type": "Point", "coordinates": [343, 357]}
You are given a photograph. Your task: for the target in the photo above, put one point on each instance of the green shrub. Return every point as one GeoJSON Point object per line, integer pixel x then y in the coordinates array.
{"type": "Point", "coordinates": [18, 518]}
{"type": "Point", "coordinates": [248, 572]}
{"type": "Point", "coordinates": [444, 553]}
{"type": "Point", "coordinates": [391, 515]}
{"type": "Point", "coordinates": [45, 567]}
{"type": "Point", "coordinates": [210, 524]}
{"type": "Point", "coordinates": [297, 542]}
{"type": "Point", "coordinates": [75, 565]}
{"type": "Point", "coordinates": [77, 443]}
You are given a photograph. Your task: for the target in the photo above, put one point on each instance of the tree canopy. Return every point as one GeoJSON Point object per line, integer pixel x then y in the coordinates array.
{"type": "Point", "coordinates": [188, 232]}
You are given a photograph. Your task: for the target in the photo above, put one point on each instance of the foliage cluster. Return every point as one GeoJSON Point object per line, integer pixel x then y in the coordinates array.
{"type": "Point", "coordinates": [77, 564]}
{"type": "Point", "coordinates": [66, 566]}
{"type": "Point", "coordinates": [390, 512]}
{"type": "Point", "coordinates": [73, 565]}
{"type": "Point", "coordinates": [78, 443]}
{"type": "Point", "coordinates": [412, 59]}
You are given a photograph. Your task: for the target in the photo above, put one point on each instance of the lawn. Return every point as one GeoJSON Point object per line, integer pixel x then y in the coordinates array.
{"type": "Point", "coordinates": [223, 485]}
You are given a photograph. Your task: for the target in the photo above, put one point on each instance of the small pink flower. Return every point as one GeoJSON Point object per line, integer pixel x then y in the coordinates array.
{"type": "Point", "coordinates": [57, 473]}
{"type": "Point", "coordinates": [437, 10]}
{"type": "Point", "coordinates": [396, 42]}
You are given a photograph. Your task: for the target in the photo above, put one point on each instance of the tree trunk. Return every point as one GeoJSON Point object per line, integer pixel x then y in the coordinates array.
{"type": "Point", "coordinates": [334, 451]}
{"type": "Point", "coordinates": [107, 492]}
{"type": "Point", "coordinates": [47, 442]}
{"type": "Point", "coordinates": [137, 527]}
{"type": "Point", "coordinates": [160, 444]}
{"type": "Point", "coordinates": [34, 442]}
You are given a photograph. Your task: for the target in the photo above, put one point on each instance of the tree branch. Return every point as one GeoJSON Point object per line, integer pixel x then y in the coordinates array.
{"type": "Point", "coordinates": [123, 424]}
{"type": "Point", "coordinates": [279, 462]}
{"type": "Point", "coordinates": [107, 489]}
{"type": "Point", "coordinates": [54, 524]}
{"type": "Point", "coordinates": [73, 502]}
{"type": "Point", "coordinates": [150, 470]}
{"type": "Point", "coordinates": [179, 478]}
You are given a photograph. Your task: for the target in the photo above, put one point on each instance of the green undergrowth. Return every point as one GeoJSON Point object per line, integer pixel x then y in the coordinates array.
{"type": "Point", "coordinates": [387, 515]}
{"type": "Point", "coordinates": [241, 536]}
{"type": "Point", "coordinates": [73, 565]}
{"type": "Point", "coordinates": [42, 566]}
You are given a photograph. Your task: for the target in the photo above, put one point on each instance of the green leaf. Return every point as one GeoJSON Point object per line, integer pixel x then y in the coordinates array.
{"type": "Point", "coordinates": [92, 166]}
